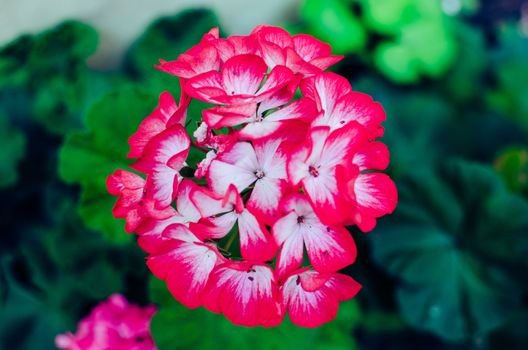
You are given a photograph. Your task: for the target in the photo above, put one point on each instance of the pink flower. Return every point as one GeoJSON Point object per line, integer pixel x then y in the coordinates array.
{"type": "Point", "coordinates": [302, 53]}
{"type": "Point", "coordinates": [241, 81]}
{"type": "Point", "coordinates": [330, 248]}
{"type": "Point", "coordinates": [314, 166]}
{"type": "Point", "coordinates": [246, 293]}
{"type": "Point", "coordinates": [261, 165]}
{"type": "Point", "coordinates": [312, 298]}
{"type": "Point", "coordinates": [113, 324]}
{"type": "Point", "coordinates": [290, 157]}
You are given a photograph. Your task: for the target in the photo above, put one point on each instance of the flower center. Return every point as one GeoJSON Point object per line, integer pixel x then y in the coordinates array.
{"type": "Point", "coordinates": [300, 219]}
{"type": "Point", "coordinates": [314, 171]}
{"type": "Point", "coordinates": [259, 174]}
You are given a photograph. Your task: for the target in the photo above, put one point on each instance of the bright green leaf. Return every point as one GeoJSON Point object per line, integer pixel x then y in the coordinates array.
{"type": "Point", "coordinates": [88, 157]}
{"type": "Point", "coordinates": [333, 22]}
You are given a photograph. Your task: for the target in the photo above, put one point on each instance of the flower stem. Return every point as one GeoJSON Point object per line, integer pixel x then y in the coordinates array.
{"type": "Point", "coordinates": [203, 149]}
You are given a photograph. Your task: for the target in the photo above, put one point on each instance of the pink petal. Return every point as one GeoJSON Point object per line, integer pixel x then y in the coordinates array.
{"type": "Point", "coordinates": [186, 267]}
{"type": "Point", "coordinates": [325, 89]}
{"type": "Point", "coordinates": [376, 194]}
{"type": "Point", "coordinates": [256, 243]}
{"type": "Point", "coordinates": [309, 47]}
{"type": "Point", "coordinates": [308, 308]}
{"type": "Point", "coordinates": [243, 74]}
{"type": "Point", "coordinates": [207, 202]}
{"type": "Point", "coordinates": [246, 293]}
{"type": "Point", "coordinates": [357, 107]}
{"type": "Point", "coordinates": [273, 54]}
{"type": "Point", "coordinates": [329, 248]}
{"type": "Point", "coordinates": [206, 87]}
{"type": "Point", "coordinates": [162, 159]}
{"type": "Point", "coordinates": [235, 166]}
{"type": "Point", "coordinates": [275, 35]}
{"type": "Point", "coordinates": [214, 227]}
{"type": "Point", "coordinates": [154, 124]}
{"type": "Point", "coordinates": [150, 232]}
{"type": "Point", "coordinates": [312, 298]}
{"type": "Point", "coordinates": [264, 198]}
{"type": "Point", "coordinates": [200, 59]}
{"type": "Point", "coordinates": [288, 237]}
{"type": "Point", "coordinates": [298, 65]}
{"type": "Point", "coordinates": [184, 203]}
{"type": "Point", "coordinates": [372, 156]}
{"type": "Point", "coordinates": [324, 62]}
{"type": "Point", "coordinates": [278, 78]}
{"type": "Point", "coordinates": [222, 116]}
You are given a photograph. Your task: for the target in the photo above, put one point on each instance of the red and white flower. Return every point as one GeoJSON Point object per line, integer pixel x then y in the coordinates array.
{"type": "Point", "coordinates": [314, 166]}
{"type": "Point", "coordinates": [246, 293]}
{"type": "Point", "coordinates": [301, 53]}
{"type": "Point", "coordinates": [185, 263]}
{"type": "Point", "coordinates": [162, 159]}
{"type": "Point", "coordinates": [338, 104]}
{"type": "Point", "coordinates": [312, 298]}
{"type": "Point", "coordinates": [262, 166]}
{"type": "Point", "coordinates": [330, 248]}
{"type": "Point", "coordinates": [219, 215]}
{"type": "Point", "coordinates": [290, 157]}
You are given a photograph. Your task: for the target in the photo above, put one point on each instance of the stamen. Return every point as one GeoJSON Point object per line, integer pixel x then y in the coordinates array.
{"type": "Point", "coordinates": [259, 174]}
{"type": "Point", "coordinates": [313, 171]}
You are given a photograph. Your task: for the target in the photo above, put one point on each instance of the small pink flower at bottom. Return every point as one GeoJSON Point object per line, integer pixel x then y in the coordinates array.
{"type": "Point", "coordinates": [113, 324]}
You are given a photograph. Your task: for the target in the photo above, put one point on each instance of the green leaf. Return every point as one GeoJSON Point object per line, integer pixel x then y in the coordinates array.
{"type": "Point", "coordinates": [512, 165]}
{"type": "Point", "coordinates": [333, 22]}
{"type": "Point", "coordinates": [511, 73]}
{"type": "Point", "coordinates": [27, 322]}
{"type": "Point", "coordinates": [88, 157]}
{"type": "Point", "coordinates": [49, 285]}
{"type": "Point", "coordinates": [176, 327]}
{"type": "Point", "coordinates": [49, 72]}
{"type": "Point", "coordinates": [448, 244]}
{"type": "Point", "coordinates": [166, 39]}
{"type": "Point", "coordinates": [409, 28]}
{"type": "Point", "coordinates": [12, 151]}
{"type": "Point", "coordinates": [413, 138]}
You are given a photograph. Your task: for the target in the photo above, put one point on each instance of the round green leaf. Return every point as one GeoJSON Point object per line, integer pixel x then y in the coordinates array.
{"type": "Point", "coordinates": [447, 244]}
{"type": "Point", "coordinates": [88, 157]}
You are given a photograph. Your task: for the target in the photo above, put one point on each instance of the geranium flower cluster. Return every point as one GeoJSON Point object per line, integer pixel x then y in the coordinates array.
{"type": "Point", "coordinates": [113, 324]}
{"type": "Point", "coordinates": [289, 159]}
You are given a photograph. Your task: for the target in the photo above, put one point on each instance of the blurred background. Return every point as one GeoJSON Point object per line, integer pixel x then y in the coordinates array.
{"type": "Point", "coordinates": [448, 270]}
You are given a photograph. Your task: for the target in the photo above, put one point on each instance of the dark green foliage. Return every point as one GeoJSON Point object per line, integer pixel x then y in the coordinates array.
{"type": "Point", "coordinates": [48, 76]}
{"type": "Point", "coordinates": [14, 143]}
{"type": "Point", "coordinates": [166, 39]}
{"type": "Point", "coordinates": [453, 234]}
{"type": "Point", "coordinates": [49, 285]}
